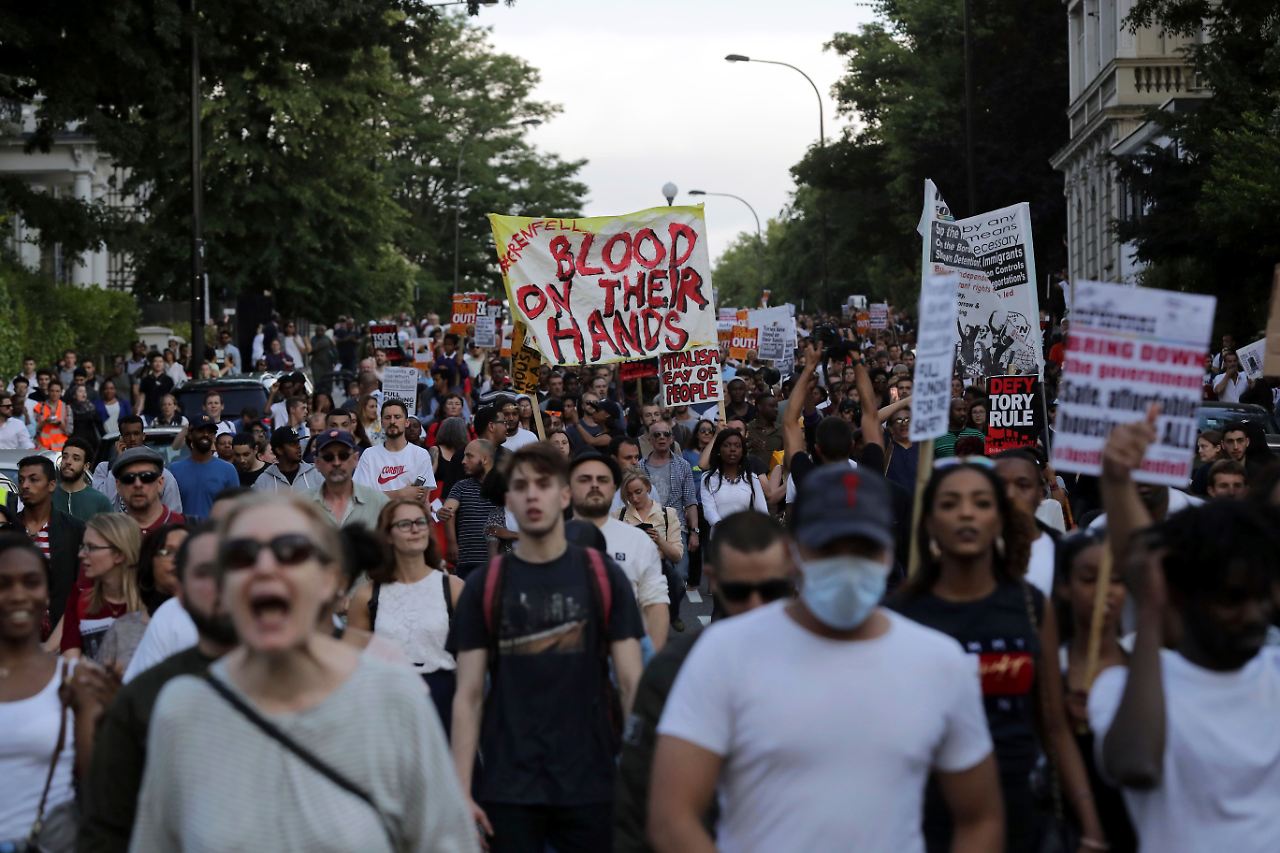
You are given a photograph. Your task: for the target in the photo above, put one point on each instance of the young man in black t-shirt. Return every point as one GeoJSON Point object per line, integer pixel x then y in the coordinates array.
{"type": "Point", "coordinates": [545, 727]}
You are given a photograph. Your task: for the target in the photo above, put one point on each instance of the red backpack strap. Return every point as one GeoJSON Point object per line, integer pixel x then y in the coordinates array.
{"type": "Point", "coordinates": [491, 578]}
{"type": "Point", "coordinates": [596, 560]}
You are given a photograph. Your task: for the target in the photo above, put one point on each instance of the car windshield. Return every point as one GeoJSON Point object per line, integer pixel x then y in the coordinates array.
{"type": "Point", "coordinates": [234, 400]}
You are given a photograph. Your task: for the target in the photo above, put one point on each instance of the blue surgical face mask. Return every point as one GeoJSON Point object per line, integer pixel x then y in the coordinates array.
{"type": "Point", "coordinates": [842, 591]}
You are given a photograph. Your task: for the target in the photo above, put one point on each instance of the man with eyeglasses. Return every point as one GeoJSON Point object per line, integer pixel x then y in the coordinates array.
{"type": "Point", "coordinates": [345, 502]}
{"type": "Point", "coordinates": [13, 432]}
{"type": "Point", "coordinates": [139, 479]}
{"type": "Point", "coordinates": [773, 710]}
{"type": "Point", "coordinates": [55, 533]}
{"type": "Point", "coordinates": [748, 565]}
{"type": "Point", "coordinates": [132, 435]}
{"type": "Point", "coordinates": [468, 511]}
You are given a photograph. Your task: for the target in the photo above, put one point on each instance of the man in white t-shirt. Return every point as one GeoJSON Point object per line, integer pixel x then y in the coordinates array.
{"type": "Point", "coordinates": [1189, 732]}
{"type": "Point", "coordinates": [1232, 382]}
{"type": "Point", "coordinates": [820, 720]}
{"type": "Point", "coordinates": [593, 480]}
{"type": "Point", "coordinates": [396, 467]}
{"type": "Point", "coordinates": [517, 436]}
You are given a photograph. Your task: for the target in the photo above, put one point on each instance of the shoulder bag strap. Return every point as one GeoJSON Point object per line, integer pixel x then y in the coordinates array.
{"type": "Point", "coordinates": [310, 759]}
{"type": "Point", "coordinates": [373, 605]}
{"type": "Point", "coordinates": [448, 595]}
{"type": "Point", "coordinates": [38, 825]}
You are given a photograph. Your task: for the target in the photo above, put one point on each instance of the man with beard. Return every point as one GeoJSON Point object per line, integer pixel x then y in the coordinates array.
{"type": "Point", "coordinates": [288, 472]}
{"type": "Point", "coordinates": [202, 475]}
{"type": "Point", "coordinates": [244, 455]}
{"type": "Point", "coordinates": [593, 481]}
{"type": "Point", "coordinates": [55, 533]}
{"type": "Point", "coordinates": [397, 468]}
{"type": "Point", "coordinates": [132, 435]}
{"type": "Point", "coordinates": [468, 512]}
{"type": "Point", "coordinates": [120, 748]}
{"type": "Point", "coordinates": [748, 565]}
{"type": "Point", "coordinates": [345, 502]}
{"type": "Point", "coordinates": [74, 495]}
{"type": "Point", "coordinates": [13, 429]}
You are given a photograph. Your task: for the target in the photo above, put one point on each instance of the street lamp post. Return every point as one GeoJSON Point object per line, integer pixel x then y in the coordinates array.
{"type": "Point", "coordinates": [457, 203]}
{"type": "Point", "coordinates": [822, 143]}
{"type": "Point", "coordinates": [669, 192]}
{"type": "Point", "coordinates": [759, 234]}
{"type": "Point", "coordinates": [197, 210]}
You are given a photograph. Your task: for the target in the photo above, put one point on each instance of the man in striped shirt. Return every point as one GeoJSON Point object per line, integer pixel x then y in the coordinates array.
{"type": "Point", "coordinates": [468, 513]}
{"type": "Point", "coordinates": [55, 533]}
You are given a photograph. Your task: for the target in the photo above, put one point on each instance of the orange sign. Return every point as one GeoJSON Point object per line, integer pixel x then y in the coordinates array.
{"type": "Point", "coordinates": [466, 306]}
{"type": "Point", "coordinates": [863, 322]}
{"type": "Point", "coordinates": [743, 340]}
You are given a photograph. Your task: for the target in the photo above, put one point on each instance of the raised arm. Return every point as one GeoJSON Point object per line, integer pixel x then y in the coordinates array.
{"type": "Point", "coordinates": [871, 420]}
{"type": "Point", "coordinates": [793, 423]}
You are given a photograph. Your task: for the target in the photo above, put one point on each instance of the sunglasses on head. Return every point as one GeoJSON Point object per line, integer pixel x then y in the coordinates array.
{"type": "Point", "coordinates": [770, 590]}
{"type": "Point", "coordinates": [134, 476]}
{"type": "Point", "coordinates": [339, 456]}
{"type": "Point", "coordinates": [288, 549]}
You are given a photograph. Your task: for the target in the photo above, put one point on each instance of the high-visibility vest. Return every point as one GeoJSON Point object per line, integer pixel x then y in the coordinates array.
{"type": "Point", "coordinates": [51, 436]}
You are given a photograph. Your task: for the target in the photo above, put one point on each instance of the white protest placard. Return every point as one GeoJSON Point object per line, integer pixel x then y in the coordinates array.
{"type": "Point", "coordinates": [1252, 358]}
{"type": "Point", "coordinates": [879, 315]}
{"type": "Point", "coordinates": [935, 358]}
{"type": "Point", "coordinates": [401, 383]}
{"type": "Point", "coordinates": [690, 378]}
{"type": "Point", "coordinates": [773, 342]}
{"type": "Point", "coordinates": [1128, 348]}
{"type": "Point", "coordinates": [609, 288]}
{"type": "Point", "coordinates": [998, 309]}
{"type": "Point", "coordinates": [486, 331]}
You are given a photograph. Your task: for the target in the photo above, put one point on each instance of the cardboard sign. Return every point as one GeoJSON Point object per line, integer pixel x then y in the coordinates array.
{"type": "Point", "coordinates": [690, 378]}
{"type": "Point", "coordinates": [505, 352]}
{"type": "Point", "coordinates": [525, 361]}
{"type": "Point", "coordinates": [862, 322]}
{"type": "Point", "coordinates": [724, 333]}
{"type": "Point", "coordinates": [773, 342]}
{"type": "Point", "coordinates": [935, 358]}
{"type": "Point", "coordinates": [1253, 357]}
{"type": "Point", "coordinates": [1271, 363]}
{"type": "Point", "coordinates": [743, 340]}
{"type": "Point", "coordinates": [401, 383]}
{"type": "Point", "coordinates": [609, 288]}
{"type": "Point", "coordinates": [386, 337]}
{"type": "Point", "coordinates": [1013, 418]}
{"type": "Point", "coordinates": [879, 315]}
{"type": "Point", "coordinates": [726, 315]}
{"type": "Point", "coordinates": [630, 371]}
{"type": "Point", "coordinates": [1128, 348]}
{"type": "Point", "coordinates": [466, 308]}
{"type": "Point", "coordinates": [998, 309]}
{"type": "Point", "coordinates": [486, 331]}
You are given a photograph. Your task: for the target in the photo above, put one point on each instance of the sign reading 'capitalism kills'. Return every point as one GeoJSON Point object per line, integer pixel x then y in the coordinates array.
{"type": "Point", "coordinates": [610, 288]}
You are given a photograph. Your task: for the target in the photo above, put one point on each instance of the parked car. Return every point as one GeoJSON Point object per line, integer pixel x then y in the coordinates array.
{"type": "Point", "coordinates": [238, 393]}
{"type": "Point", "coordinates": [9, 460]}
{"type": "Point", "coordinates": [157, 438]}
{"type": "Point", "coordinates": [1217, 416]}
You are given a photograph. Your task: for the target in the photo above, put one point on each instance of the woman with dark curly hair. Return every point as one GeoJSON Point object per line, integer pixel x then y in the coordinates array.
{"type": "Point", "coordinates": [974, 547]}
{"type": "Point", "coordinates": [157, 580]}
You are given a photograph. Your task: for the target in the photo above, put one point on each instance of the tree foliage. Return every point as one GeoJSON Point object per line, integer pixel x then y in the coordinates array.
{"type": "Point", "coordinates": [903, 87]}
{"type": "Point", "coordinates": [330, 132]}
{"type": "Point", "coordinates": [1210, 195]}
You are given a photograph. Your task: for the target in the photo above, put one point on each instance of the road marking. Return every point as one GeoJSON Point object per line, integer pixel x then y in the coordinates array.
{"type": "Point", "coordinates": [705, 620]}
{"type": "Point", "coordinates": [694, 597]}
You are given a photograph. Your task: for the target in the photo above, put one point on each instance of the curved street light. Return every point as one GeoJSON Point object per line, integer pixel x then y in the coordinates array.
{"type": "Point", "coordinates": [669, 192]}
{"type": "Point", "coordinates": [759, 235]}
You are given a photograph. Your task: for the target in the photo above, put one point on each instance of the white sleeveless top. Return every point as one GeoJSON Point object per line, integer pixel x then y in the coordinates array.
{"type": "Point", "coordinates": [415, 617]}
{"type": "Point", "coordinates": [28, 735]}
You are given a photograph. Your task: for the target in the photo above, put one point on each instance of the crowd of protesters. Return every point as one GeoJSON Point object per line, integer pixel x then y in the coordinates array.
{"type": "Point", "coordinates": [349, 621]}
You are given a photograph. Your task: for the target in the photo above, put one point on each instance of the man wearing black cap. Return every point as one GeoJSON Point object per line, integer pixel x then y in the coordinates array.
{"type": "Point", "coordinates": [822, 719]}
{"type": "Point", "coordinates": [140, 480]}
{"type": "Point", "coordinates": [244, 455]}
{"type": "Point", "coordinates": [203, 474]}
{"type": "Point", "coordinates": [344, 501]}
{"type": "Point", "coordinates": [289, 473]}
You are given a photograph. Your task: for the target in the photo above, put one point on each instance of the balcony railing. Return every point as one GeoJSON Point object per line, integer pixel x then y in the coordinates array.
{"type": "Point", "coordinates": [1167, 79]}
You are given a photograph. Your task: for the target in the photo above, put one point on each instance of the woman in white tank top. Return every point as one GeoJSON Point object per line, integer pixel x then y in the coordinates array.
{"type": "Point", "coordinates": [410, 602]}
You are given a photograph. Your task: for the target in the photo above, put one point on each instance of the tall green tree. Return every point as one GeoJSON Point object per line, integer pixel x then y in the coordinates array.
{"type": "Point", "coordinates": [903, 87]}
{"type": "Point", "coordinates": [1210, 195]}
{"type": "Point", "coordinates": [329, 128]}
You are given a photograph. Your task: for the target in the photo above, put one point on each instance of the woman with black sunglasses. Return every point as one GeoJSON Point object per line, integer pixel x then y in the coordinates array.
{"type": "Point", "coordinates": [974, 546]}
{"type": "Point", "coordinates": [273, 734]}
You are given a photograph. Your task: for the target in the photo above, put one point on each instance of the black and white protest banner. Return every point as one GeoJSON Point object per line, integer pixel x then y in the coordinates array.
{"type": "Point", "coordinates": [1013, 413]}
{"type": "Point", "coordinates": [935, 357]}
{"type": "Point", "coordinates": [690, 378]}
{"type": "Point", "coordinates": [401, 383]}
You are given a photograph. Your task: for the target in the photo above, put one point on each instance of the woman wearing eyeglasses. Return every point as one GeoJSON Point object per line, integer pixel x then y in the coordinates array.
{"type": "Point", "coordinates": [157, 583]}
{"type": "Point", "coordinates": [974, 546]}
{"type": "Point", "coordinates": [411, 600]}
{"type": "Point", "coordinates": [109, 590]}
{"type": "Point", "coordinates": [225, 760]}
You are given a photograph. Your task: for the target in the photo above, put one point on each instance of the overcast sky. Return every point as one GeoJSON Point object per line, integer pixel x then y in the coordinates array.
{"type": "Point", "coordinates": [648, 97]}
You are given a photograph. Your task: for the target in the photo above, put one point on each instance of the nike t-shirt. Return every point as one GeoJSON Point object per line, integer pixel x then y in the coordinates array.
{"type": "Point", "coordinates": [387, 470]}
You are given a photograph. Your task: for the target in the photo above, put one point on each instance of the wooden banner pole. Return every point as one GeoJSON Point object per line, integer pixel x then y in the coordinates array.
{"type": "Point", "coordinates": [924, 469]}
{"type": "Point", "coordinates": [1103, 586]}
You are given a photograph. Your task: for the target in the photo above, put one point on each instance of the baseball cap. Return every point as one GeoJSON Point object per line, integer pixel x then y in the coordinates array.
{"type": "Point", "coordinates": [837, 502]}
{"type": "Point", "coordinates": [284, 435]}
{"type": "Point", "coordinates": [335, 436]}
{"type": "Point", "coordinates": [137, 454]}
{"type": "Point", "coordinates": [201, 421]}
